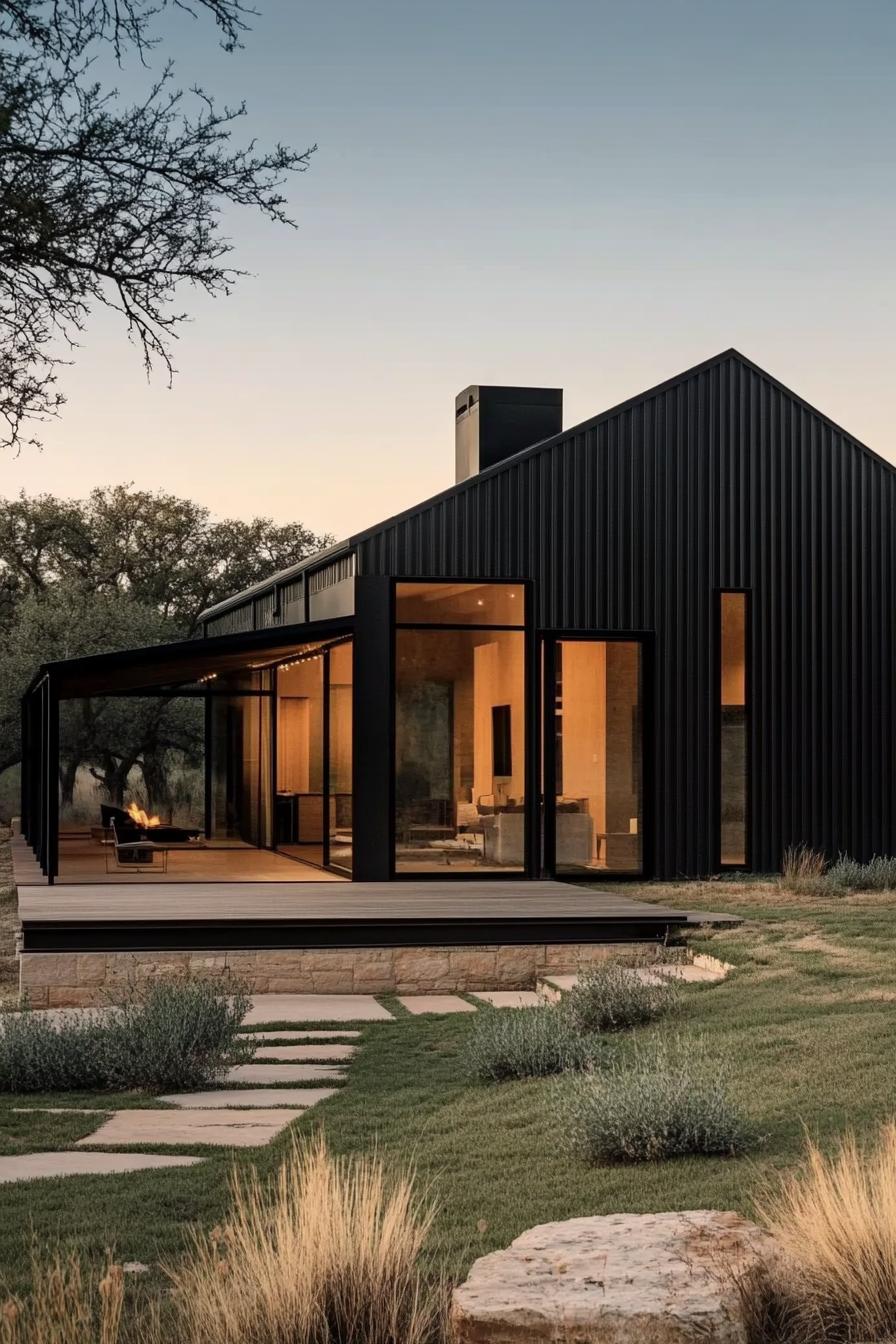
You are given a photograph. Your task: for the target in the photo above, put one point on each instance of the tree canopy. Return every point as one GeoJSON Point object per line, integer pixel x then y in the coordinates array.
{"type": "Point", "coordinates": [121, 568]}
{"type": "Point", "coordinates": [111, 202]}
{"type": "Point", "coordinates": [166, 553]}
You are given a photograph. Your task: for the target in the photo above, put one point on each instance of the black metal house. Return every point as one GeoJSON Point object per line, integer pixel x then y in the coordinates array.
{"type": "Point", "coordinates": [657, 644]}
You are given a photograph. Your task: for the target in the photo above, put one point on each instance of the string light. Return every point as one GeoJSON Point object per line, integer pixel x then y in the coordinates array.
{"type": "Point", "coordinates": [305, 658]}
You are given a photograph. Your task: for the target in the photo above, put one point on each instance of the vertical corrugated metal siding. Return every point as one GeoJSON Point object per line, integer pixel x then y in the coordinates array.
{"type": "Point", "coordinates": [723, 480]}
{"type": "Point", "coordinates": [233, 622]}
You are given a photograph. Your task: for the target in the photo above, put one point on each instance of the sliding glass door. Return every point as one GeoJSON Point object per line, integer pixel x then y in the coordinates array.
{"type": "Point", "coordinates": [314, 757]}
{"type": "Point", "coordinates": [593, 756]}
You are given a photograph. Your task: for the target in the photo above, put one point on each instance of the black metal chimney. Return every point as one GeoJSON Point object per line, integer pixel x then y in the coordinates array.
{"type": "Point", "coordinates": [492, 423]}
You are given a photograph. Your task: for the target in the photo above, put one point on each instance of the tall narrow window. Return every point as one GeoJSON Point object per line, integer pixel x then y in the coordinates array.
{"type": "Point", "coordinates": [733, 729]}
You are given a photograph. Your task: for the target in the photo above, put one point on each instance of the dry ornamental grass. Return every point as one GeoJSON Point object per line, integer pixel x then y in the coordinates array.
{"type": "Point", "coordinates": [802, 869]}
{"type": "Point", "coordinates": [836, 1221]}
{"type": "Point", "coordinates": [65, 1306]}
{"type": "Point", "coordinates": [329, 1253]}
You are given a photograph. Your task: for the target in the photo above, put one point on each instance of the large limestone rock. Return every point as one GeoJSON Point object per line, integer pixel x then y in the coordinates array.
{"type": "Point", "coordinates": [663, 1278]}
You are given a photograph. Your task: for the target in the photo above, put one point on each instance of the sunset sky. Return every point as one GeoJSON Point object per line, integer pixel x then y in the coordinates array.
{"type": "Point", "coordinates": [583, 193]}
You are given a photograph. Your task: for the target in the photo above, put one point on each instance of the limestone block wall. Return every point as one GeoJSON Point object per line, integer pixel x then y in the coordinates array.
{"type": "Point", "coordinates": [85, 979]}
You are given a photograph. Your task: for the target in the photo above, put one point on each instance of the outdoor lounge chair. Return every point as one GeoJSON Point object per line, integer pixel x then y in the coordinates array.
{"type": "Point", "coordinates": [132, 851]}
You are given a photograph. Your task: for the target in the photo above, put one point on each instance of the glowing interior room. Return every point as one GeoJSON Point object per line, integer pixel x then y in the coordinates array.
{"type": "Point", "coordinates": [656, 644]}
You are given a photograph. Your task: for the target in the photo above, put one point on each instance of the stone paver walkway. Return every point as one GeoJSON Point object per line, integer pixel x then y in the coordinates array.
{"type": "Point", "coordinates": [287, 1034]}
{"type": "Point", "coordinates": [284, 1073]}
{"type": "Point", "coordinates": [250, 1116]}
{"type": "Point", "coordinates": [315, 1008]}
{"type": "Point", "coordinates": [235, 1117]}
{"type": "Point", "coordinates": [248, 1098]}
{"type": "Point", "coordinates": [41, 1166]}
{"type": "Point", "coordinates": [510, 998]}
{"type": "Point", "coordinates": [551, 987]}
{"type": "Point", "coordinates": [220, 1128]}
{"type": "Point", "coordinates": [435, 1003]}
{"type": "Point", "coordinates": [306, 1052]}
{"type": "Point", "coordinates": [61, 1110]}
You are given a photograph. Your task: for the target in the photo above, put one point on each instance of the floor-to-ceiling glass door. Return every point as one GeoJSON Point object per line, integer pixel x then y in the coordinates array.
{"type": "Point", "coordinates": [593, 777]}
{"type": "Point", "coordinates": [313, 802]}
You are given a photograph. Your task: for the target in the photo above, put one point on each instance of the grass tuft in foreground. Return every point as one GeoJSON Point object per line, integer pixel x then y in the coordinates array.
{"type": "Point", "coordinates": [668, 1099]}
{"type": "Point", "coordinates": [835, 1218]}
{"type": "Point", "coordinates": [330, 1251]}
{"type": "Point", "coordinates": [167, 1036]}
{"type": "Point", "coordinates": [507, 1043]}
{"type": "Point", "coordinates": [65, 1306]}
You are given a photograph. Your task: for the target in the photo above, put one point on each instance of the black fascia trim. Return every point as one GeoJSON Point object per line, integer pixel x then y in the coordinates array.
{"type": "Point", "coordinates": [259, 935]}
{"type": "Point", "coordinates": [202, 649]}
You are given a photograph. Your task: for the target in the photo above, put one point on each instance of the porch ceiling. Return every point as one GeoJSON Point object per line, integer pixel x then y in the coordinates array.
{"type": "Point", "coordinates": [180, 664]}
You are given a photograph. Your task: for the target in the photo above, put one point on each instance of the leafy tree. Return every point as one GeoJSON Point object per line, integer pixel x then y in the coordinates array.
{"type": "Point", "coordinates": [167, 553]}
{"type": "Point", "coordinates": [108, 202]}
{"type": "Point", "coordinates": [120, 569]}
{"type": "Point", "coordinates": [59, 623]}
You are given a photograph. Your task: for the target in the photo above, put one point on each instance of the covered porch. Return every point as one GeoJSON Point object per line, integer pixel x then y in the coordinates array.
{"type": "Point", "coordinates": [220, 760]}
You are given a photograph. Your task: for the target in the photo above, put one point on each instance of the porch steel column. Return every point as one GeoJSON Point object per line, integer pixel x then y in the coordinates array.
{"type": "Point", "coordinates": [52, 782]}
{"type": "Point", "coordinates": [24, 798]}
{"type": "Point", "coordinates": [207, 729]}
{"type": "Point", "coordinates": [373, 726]}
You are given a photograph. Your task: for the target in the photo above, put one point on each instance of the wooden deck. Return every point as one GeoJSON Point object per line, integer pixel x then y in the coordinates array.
{"type": "Point", "coordinates": [392, 902]}
{"type": "Point", "coordinates": [228, 916]}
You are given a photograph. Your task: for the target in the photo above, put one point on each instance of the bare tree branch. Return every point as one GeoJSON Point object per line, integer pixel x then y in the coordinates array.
{"type": "Point", "coordinates": [104, 203]}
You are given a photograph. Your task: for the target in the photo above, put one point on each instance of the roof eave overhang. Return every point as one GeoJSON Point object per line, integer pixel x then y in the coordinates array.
{"type": "Point", "coordinates": [69, 677]}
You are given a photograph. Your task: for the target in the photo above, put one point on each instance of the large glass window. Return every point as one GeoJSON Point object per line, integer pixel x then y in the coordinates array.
{"type": "Point", "coordinates": [597, 752]}
{"type": "Point", "coordinates": [733, 729]}
{"type": "Point", "coordinates": [314, 756]}
{"type": "Point", "coordinates": [300, 757]}
{"type": "Point", "coordinates": [240, 764]}
{"type": "Point", "coordinates": [340, 755]}
{"type": "Point", "coordinates": [460, 753]}
{"type": "Point", "coordinates": [459, 604]}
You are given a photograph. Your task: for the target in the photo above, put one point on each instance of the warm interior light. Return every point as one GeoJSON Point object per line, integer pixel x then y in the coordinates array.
{"type": "Point", "coordinates": [141, 818]}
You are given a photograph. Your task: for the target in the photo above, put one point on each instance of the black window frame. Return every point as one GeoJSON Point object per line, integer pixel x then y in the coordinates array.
{"type": "Point", "coordinates": [531, 737]}
{"type": "Point", "coordinates": [548, 641]}
{"type": "Point", "coordinates": [716, 682]}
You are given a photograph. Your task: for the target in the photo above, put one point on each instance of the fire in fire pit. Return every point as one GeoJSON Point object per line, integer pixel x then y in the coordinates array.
{"type": "Point", "coordinates": [141, 818]}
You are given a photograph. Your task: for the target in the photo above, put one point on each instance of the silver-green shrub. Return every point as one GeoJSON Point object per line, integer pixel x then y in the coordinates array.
{"type": "Point", "coordinates": [39, 1055]}
{"type": "Point", "coordinates": [878, 874]}
{"type": "Point", "coordinates": [177, 1034]}
{"type": "Point", "coordinates": [164, 1036]}
{"type": "Point", "coordinates": [666, 1100]}
{"type": "Point", "coordinates": [609, 997]}
{"type": "Point", "coordinates": [507, 1043]}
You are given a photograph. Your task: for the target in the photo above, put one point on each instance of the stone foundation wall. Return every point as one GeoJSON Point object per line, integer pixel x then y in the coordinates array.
{"type": "Point", "coordinates": [83, 979]}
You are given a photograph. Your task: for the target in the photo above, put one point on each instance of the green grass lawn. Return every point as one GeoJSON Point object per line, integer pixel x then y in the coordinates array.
{"type": "Point", "coordinates": [807, 1021]}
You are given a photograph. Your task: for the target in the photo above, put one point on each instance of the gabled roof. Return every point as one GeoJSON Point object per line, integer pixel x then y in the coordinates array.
{"type": "Point", "coordinates": [343, 547]}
